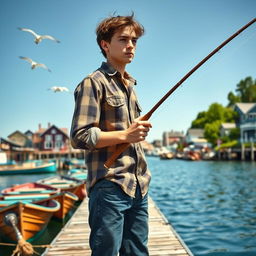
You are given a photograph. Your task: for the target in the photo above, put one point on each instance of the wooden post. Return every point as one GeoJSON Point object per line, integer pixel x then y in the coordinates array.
{"type": "Point", "coordinates": [242, 151]}
{"type": "Point", "coordinates": [252, 150]}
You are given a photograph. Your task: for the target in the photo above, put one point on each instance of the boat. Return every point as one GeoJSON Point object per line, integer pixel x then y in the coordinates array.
{"type": "Point", "coordinates": [30, 188]}
{"type": "Point", "coordinates": [67, 201]}
{"type": "Point", "coordinates": [166, 156]}
{"type": "Point", "coordinates": [32, 218]}
{"type": "Point", "coordinates": [66, 184]}
{"type": "Point", "coordinates": [28, 168]}
{"type": "Point", "coordinates": [74, 163]}
{"type": "Point", "coordinates": [78, 173]}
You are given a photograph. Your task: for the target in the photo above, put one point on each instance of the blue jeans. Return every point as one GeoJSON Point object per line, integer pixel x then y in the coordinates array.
{"type": "Point", "coordinates": [118, 222]}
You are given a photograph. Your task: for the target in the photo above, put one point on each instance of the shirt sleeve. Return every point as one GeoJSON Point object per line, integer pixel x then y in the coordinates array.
{"type": "Point", "coordinates": [84, 129]}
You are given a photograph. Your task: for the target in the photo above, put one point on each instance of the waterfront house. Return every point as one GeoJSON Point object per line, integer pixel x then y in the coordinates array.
{"type": "Point", "coordinates": [54, 139]}
{"type": "Point", "coordinates": [247, 121]}
{"type": "Point", "coordinates": [225, 129]}
{"type": "Point", "coordinates": [195, 136]}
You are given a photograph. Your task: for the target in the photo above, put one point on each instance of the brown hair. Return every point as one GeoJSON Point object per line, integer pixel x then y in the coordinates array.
{"type": "Point", "coordinates": [107, 28]}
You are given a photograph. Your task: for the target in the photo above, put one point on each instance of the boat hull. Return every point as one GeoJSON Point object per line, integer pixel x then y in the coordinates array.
{"type": "Point", "coordinates": [28, 169]}
{"type": "Point", "coordinates": [67, 201]}
{"type": "Point", "coordinates": [32, 218]}
{"type": "Point", "coordinates": [66, 184]}
{"type": "Point", "coordinates": [29, 188]}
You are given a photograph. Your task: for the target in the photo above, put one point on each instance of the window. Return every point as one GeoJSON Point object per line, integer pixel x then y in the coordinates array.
{"type": "Point", "coordinates": [48, 137]}
{"type": "Point", "coordinates": [47, 144]}
{"type": "Point", "coordinates": [58, 141]}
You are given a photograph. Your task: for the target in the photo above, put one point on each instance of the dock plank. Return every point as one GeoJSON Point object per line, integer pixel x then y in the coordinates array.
{"type": "Point", "coordinates": [73, 239]}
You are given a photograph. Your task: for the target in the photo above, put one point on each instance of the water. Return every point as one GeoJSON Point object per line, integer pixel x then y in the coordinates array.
{"type": "Point", "coordinates": [212, 205]}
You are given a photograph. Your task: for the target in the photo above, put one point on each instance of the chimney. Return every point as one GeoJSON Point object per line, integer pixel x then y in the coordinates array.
{"type": "Point", "coordinates": [49, 124]}
{"type": "Point", "coordinates": [39, 126]}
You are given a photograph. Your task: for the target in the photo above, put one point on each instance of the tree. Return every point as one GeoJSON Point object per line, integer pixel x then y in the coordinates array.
{"type": "Point", "coordinates": [211, 131]}
{"type": "Point", "coordinates": [246, 92]}
{"type": "Point", "coordinates": [211, 120]}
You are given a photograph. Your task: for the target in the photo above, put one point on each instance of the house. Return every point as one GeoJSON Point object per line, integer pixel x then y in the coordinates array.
{"type": "Point", "coordinates": [172, 137]}
{"type": "Point", "coordinates": [54, 139]}
{"type": "Point", "coordinates": [247, 121]}
{"type": "Point", "coordinates": [195, 136]}
{"type": "Point", "coordinates": [225, 129]}
{"type": "Point", "coordinates": [21, 139]}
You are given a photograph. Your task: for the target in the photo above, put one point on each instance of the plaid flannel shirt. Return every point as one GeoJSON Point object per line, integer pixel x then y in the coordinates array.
{"type": "Point", "coordinates": [103, 102]}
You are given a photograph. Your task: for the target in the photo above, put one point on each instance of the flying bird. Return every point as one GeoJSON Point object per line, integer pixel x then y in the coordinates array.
{"type": "Point", "coordinates": [59, 89]}
{"type": "Point", "coordinates": [35, 64]}
{"type": "Point", "coordinates": [39, 38]}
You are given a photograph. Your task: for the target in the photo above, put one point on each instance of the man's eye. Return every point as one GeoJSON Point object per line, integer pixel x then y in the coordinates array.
{"type": "Point", "coordinates": [134, 41]}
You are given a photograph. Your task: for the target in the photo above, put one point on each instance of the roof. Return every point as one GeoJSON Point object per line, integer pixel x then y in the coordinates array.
{"type": "Point", "coordinates": [63, 130]}
{"type": "Point", "coordinates": [245, 107]}
{"type": "Point", "coordinates": [20, 133]}
{"type": "Point", "coordinates": [8, 141]}
{"type": "Point", "coordinates": [228, 125]}
{"type": "Point", "coordinates": [195, 132]}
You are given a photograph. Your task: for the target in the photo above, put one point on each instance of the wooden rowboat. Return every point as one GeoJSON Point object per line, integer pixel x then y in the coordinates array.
{"type": "Point", "coordinates": [32, 219]}
{"type": "Point", "coordinates": [31, 188]}
{"type": "Point", "coordinates": [67, 201]}
{"type": "Point", "coordinates": [66, 184]}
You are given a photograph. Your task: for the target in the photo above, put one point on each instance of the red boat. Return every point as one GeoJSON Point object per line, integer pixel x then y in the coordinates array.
{"type": "Point", "coordinates": [30, 188]}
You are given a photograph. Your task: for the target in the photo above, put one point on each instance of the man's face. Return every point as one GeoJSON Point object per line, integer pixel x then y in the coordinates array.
{"type": "Point", "coordinates": [121, 49]}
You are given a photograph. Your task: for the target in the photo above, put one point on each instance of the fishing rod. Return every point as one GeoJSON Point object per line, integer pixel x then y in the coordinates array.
{"type": "Point", "coordinates": [122, 147]}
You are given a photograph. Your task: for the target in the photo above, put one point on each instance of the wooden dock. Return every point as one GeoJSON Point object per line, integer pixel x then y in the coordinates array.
{"type": "Point", "coordinates": [73, 239]}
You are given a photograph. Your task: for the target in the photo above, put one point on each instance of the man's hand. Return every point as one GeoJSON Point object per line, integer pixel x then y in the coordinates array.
{"type": "Point", "coordinates": [138, 131]}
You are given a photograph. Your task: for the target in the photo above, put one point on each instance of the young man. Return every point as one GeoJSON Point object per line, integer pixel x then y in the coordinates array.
{"type": "Point", "coordinates": [107, 114]}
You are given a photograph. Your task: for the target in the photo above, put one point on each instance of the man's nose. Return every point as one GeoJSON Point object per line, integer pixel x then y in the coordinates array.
{"type": "Point", "coordinates": [130, 43]}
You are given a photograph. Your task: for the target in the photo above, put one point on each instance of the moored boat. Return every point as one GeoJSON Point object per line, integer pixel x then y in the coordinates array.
{"type": "Point", "coordinates": [67, 201]}
{"type": "Point", "coordinates": [78, 173]}
{"type": "Point", "coordinates": [32, 218]}
{"type": "Point", "coordinates": [66, 184]}
{"type": "Point", "coordinates": [31, 188]}
{"type": "Point", "coordinates": [28, 168]}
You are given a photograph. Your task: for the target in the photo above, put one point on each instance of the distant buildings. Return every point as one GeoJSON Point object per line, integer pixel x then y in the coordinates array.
{"type": "Point", "coordinates": [47, 142]}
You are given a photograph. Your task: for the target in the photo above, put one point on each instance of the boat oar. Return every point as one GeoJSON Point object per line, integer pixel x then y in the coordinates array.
{"type": "Point", "coordinates": [23, 247]}
{"type": "Point", "coordinates": [120, 148]}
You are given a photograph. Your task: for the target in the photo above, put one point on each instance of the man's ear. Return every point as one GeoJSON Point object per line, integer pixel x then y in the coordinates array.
{"type": "Point", "coordinates": [104, 45]}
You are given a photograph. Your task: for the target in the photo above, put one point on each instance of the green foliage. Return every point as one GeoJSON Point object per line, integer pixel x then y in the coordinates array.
{"type": "Point", "coordinates": [229, 144]}
{"type": "Point", "coordinates": [246, 92]}
{"type": "Point", "coordinates": [211, 131]}
{"type": "Point", "coordinates": [216, 114]}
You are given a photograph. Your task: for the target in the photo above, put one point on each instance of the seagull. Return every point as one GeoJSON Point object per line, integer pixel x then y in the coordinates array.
{"type": "Point", "coordinates": [39, 38]}
{"type": "Point", "coordinates": [35, 64]}
{"type": "Point", "coordinates": [59, 89]}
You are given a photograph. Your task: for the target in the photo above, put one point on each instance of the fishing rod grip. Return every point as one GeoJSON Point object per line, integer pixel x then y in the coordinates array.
{"type": "Point", "coordinates": [120, 148]}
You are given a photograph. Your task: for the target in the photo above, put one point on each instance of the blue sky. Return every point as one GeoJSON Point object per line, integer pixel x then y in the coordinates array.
{"type": "Point", "coordinates": [179, 33]}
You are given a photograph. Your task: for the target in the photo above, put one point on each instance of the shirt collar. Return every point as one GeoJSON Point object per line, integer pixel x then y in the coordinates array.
{"type": "Point", "coordinates": [110, 71]}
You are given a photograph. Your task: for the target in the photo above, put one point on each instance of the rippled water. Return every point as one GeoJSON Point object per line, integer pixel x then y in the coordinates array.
{"type": "Point", "coordinates": [212, 205]}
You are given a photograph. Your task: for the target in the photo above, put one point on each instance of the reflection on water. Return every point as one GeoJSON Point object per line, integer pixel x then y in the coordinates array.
{"type": "Point", "coordinates": [212, 205]}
